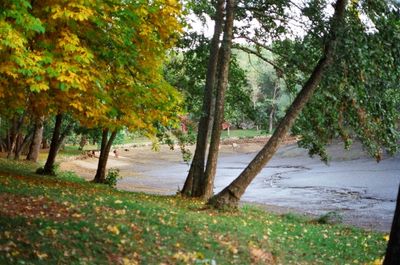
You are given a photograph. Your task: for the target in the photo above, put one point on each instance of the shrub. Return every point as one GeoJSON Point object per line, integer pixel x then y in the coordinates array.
{"type": "Point", "coordinates": [112, 177]}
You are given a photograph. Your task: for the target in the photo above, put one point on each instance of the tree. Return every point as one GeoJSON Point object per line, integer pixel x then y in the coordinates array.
{"type": "Point", "coordinates": [79, 58]}
{"type": "Point", "coordinates": [206, 184]}
{"type": "Point", "coordinates": [230, 195]}
{"type": "Point", "coordinates": [70, 77]}
{"type": "Point", "coordinates": [48, 64]}
{"type": "Point", "coordinates": [358, 98]}
{"type": "Point", "coordinates": [136, 95]}
{"type": "Point", "coordinates": [58, 137]}
{"type": "Point", "coordinates": [186, 70]}
{"type": "Point", "coordinates": [268, 14]}
{"type": "Point", "coordinates": [197, 166]}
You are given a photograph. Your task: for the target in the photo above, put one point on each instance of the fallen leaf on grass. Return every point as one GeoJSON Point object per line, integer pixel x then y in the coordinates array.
{"type": "Point", "coordinates": [113, 229]}
{"type": "Point", "coordinates": [76, 215]}
{"type": "Point", "coordinates": [41, 255]}
{"type": "Point", "coordinates": [120, 212]}
{"type": "Point", "coordinates": [188, 257]}
{"type": "Point", "coordinates": [376, 262]}
{"type": "Point", "coordinates": [126, 261]}
{"type": "Point", "coordinates": [132, 259]}
{"type": "Point", "coordinates": [230, 244]}
{"type": "Point", "coordinates": [260, 256]}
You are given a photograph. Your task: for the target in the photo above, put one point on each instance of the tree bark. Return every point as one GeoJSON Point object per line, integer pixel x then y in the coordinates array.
{"type": "Point", "coordinates": [11, 139]}
{"type": "Point", "coordinates": [22, 145]}
{"type": "Point", "coordinates": [34, 148]}
{"type": "Point", "coordinates": [56, 142]}
{"type": "Point", "coordinates": [197, 166]}
{"type": "Point", "coordinates": [2, 145]}
{"type": "Point", "coordinates": [230, 196]}
{"type": "Point", "coordinates": [51, 157]}
{"type": "Point", "coordinates": [207, 182]}
{"type": "Point", "coordinates": [392, 256]}
{"type": "Point", "coordinates": [272, 113]}
{"type": "Point", "coordinates": [106, 144]}
{"type": "Point", "coordinates": [16, 125]}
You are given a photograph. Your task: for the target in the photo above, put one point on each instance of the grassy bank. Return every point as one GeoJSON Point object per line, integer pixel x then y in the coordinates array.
{"type": "Point", "coordinates": [45, 220]}
{"type": "Point", "coordinates": [243, 134]}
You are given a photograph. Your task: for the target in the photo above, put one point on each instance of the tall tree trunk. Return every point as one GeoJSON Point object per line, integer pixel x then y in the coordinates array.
{"type": "Point", "coordinates": [34, 147]}
{"type": "Point", "coordinates": [56, 142]}
{"type": "Point", "coordinates": [104, 152]}
{"type": "Point", "coordinates": [230, 196]}
{"type": "Point", "coordinates": [392, 256]}
{"type": "Point", "coordinates": [207, 182]}
{"type": "Point", "coordinates": [197, 166]}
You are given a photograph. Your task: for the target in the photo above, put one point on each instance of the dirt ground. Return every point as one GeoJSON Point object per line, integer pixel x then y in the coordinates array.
{"type": "Point", "coordinates": [129, 155]}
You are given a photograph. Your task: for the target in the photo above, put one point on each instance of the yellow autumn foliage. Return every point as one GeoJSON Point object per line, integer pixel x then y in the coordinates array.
{"type": "Point", "coordinates": [99, 60]}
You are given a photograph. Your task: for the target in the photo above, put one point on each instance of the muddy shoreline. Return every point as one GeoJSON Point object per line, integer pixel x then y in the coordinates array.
{"type": "Point", "coordinates": [288, 179]}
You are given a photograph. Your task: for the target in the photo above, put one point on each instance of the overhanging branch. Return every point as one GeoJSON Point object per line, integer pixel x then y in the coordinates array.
{"type": "Point", "coordinates": [278, 69]}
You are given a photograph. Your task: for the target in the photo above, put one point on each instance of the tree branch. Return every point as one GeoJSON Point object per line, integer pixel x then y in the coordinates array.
{"type": "Point", "coordinates": [278, 69]}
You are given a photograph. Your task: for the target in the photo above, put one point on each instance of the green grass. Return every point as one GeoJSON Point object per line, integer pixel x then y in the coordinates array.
{"type": "Point", "coordinates": [65, 220]}
{"type": "Point", "coordinates": [73, 150]}
{"type": "Point", "coordinates": [243, 133]}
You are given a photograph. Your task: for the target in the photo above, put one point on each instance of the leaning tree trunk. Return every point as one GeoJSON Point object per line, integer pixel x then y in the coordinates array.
{"type": "Point", "coordinates": [56, 142]}
{"type": "Point", "coordinates": [51, 157]}
{"type": "Point", "coordinates": [22, 145]}
{"type": "Point", "coordinates": [197, 166]}
{"type": "Point", "coordinates": [230, 196]}
{"type": "Point", "coordinates": [207, 182]}
{"type": "Point", "coordinates": [392, 256]}
{"type": "Point", "coordinates": [34, 147]}
{"type": "Point", "coordinates": [104, 152]}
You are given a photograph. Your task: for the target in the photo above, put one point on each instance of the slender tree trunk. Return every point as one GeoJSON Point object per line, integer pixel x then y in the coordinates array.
{"type": "Point", "coordinates": [272, 113]}
{"type": "Point", "coordinates": [82, 142]}
{"type": "Point", "coordinates": [22, 145]}
{"type": "Point", "coordinates": [18, 142]}
{"type": "Point", "coordinates": [392, 256]}
{"type": "Point", "coordinates": [16, 125]}
{"type": "Point", "coordinates": [230, 196]}
{"type": "Point", "coordinates": [271, 120]}
{"type": "Point", "coordinates": [34, 148]}
{"type": "Point", "coordinates": [2, 145]}
{"type": "Point", "coordinates": [11, 139]}
{"type": "Point", "coordinates": [207, 182]}
{"type": "Point", "coordinates": [104, 152]}
{"type": "Point", "coordinates": [56, 142]}
{"type": "Point", "coordinates": [51, 158]}
{"type": "Point", "coordinates": [45, 144]}
{"type": "Point", "coordinates": [197, 166]}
